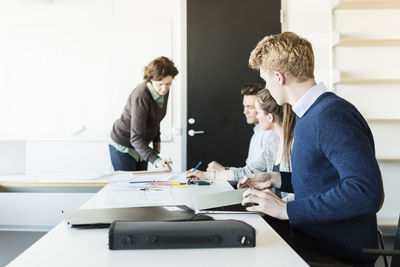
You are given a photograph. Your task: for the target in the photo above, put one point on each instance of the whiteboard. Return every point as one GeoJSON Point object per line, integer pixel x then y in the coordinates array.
{"type": "Point", "coordinates": [70, 80]}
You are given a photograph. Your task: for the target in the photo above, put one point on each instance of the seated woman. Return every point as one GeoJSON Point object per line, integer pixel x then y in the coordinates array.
{"type": "Point", "coordinates": [281, 120]}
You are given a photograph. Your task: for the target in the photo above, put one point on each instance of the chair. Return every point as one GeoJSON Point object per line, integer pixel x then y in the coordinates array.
{"type": "Point", "coordinates": [395, 252]}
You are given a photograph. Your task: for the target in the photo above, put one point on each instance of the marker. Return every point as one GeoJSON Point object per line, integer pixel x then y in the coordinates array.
{"type": "Point", "coordinates": [195, 168]}
{"type": "Point", "coordinates": [167, 183]}
{"type": "Point", "coordinates": [200, 182]}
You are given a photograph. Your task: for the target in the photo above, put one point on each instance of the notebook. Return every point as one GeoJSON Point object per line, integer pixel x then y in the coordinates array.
{"type": "Point", "coordinates": [223, 202]}
{"type": "Point", "coordinates": [96, 218]}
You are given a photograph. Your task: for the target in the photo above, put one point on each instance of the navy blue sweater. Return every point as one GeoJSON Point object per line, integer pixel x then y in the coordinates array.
{"type": "Point", "coordinates": [335, 178]}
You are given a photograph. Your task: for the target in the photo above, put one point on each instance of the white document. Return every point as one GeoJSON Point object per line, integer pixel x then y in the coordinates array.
{"type": "Point", "coordinates": [160, 177]}
{"type": "Point", "coordinates": [138, 198]}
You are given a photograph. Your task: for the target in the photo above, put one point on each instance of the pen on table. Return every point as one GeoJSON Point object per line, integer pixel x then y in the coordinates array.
{"type": "Point", "coordinates": [140, 182]}
{"type": "Point", "coordinates": [195, 168]}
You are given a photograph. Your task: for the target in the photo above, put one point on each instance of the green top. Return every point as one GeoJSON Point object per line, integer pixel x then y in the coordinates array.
{"type": "Point", "coordinates": [131, 151]}
{"type": "Point", "coordinates": [158, 98]}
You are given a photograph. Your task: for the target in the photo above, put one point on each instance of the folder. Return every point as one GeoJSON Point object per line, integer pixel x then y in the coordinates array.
{"type": "Point", "coordinates": [97, 218]}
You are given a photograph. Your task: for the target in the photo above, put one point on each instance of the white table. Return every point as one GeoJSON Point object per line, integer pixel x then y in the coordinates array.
{"type": "Point", "coordinates": [65, 246]}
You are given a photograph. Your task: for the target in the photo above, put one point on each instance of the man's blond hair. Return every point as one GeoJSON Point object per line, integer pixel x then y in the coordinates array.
{"type": "Point", "coordinates": [286, 52]}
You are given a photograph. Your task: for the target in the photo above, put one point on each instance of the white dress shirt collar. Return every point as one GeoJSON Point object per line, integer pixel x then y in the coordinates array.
{"type": "Point", "coordinates": [305, 102]}
{"type": "Point", "coordinates": [257, 128]}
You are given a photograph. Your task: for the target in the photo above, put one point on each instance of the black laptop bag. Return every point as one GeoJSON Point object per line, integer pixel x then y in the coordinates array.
{"type": "Point", "coordinates": [182, 234]}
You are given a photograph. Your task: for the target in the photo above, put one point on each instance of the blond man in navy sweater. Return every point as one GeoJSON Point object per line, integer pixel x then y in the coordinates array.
{"type": "Point", "coordinates": [335, 175]}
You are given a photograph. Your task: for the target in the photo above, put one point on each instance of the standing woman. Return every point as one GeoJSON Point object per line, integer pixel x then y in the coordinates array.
{"type": "Point", "coordinates": [139, 124]}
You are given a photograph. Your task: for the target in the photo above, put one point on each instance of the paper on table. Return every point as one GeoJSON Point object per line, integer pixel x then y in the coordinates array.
{"type": "Point", "coordinates": [179, 177]}
{"type": "Point", "coordinates": [139, 198]}
{"type": "Point", "coordinates": [126, 186]}
{"type": "Point", "coordinates": [117, 176]}
{"type": "Point", "coordinates": [161, 177]}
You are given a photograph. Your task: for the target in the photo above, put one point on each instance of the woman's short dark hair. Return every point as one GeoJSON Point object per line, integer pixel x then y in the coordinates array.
{"type": "Point", "coordinates": [159, 68]}
{"type": "Point", "coordinates": [251, 89]}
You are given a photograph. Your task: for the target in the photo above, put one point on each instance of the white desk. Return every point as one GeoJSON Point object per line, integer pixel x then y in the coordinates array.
{"type": "Point", "coordinates": [64, 246]}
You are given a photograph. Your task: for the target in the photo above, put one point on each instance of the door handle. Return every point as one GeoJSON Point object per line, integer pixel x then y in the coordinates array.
{"type": "Point", "coordinates": [192, 132]}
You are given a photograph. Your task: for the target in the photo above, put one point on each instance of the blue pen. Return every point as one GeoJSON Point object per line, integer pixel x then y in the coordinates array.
{"type": "Point", "coordinates": [195, 168]}
{"type": "Point", "coordinates": [140, 182]}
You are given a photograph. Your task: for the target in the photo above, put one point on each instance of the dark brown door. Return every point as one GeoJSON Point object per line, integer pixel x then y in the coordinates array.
{"type": "Point", "coordinates": [221, 34]}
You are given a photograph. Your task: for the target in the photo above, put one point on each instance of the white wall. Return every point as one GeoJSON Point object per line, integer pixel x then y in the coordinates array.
{"type": "Point", "coordinates": [35, 211]}
{"type": "Point", "coordinates": [70, 65]}
{"type": "Point", "coordinates": [12, 157]}
{"type": "Point", "coordinates": [310, 19]}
